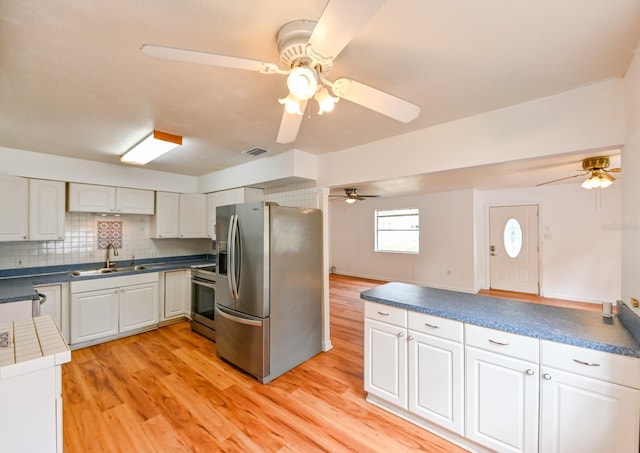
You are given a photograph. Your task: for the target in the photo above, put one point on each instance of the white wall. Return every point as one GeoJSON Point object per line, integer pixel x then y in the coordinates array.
{"type": "Point", "coordinates": [580, 251]}
{"type": "Point", "coordinates": [288, 167]}
{"type": "Point", "coordinates": [587, 118]}
{"type": "Point", "coordinates": [47, 166]}
{"type": "Point", "coordinates": [631, 185]}
{"type": "Point", "coordinates": [447, 252]}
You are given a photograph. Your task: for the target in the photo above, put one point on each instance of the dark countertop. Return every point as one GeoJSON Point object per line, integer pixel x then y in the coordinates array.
{"type": "Point", "coordinates": [582, 328]}
{"type": "Point", "coordinates": [18, 284]}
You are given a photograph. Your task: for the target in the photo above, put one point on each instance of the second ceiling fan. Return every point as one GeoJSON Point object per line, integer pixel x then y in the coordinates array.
{"type": "Point", "coordinates": [352, 195]}
{"type": "Point", "coordinates": [307, 50]}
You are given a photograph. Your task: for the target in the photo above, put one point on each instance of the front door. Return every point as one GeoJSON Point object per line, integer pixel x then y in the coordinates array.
{"type": "Point", "coordinates": [514, 248]}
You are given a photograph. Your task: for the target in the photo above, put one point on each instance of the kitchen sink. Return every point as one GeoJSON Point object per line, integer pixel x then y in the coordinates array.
{"type": "Point", "coordinates": [111, 270]}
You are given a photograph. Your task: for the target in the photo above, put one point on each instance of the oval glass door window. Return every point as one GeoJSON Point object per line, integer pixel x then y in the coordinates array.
{"type": "Point", "coordinates": [512, 238]}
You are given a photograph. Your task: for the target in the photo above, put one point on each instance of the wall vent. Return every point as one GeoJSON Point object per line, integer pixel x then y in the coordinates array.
{"type": "Point", "coordinates": [255, 151]}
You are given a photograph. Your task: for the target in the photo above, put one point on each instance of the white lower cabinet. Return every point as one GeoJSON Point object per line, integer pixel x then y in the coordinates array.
{"type": "Point", "coordinates": [19, 310]}
{"type": "Point", "coordinates": [94, 314]}
{"type": "Point", "coordinates": [593, 408]}
{"type": "Point", "coordinates": [502, 401]}
{"type": "Point", "coordinates": [502, 389]}
{"type": "Point", "coordinates": [177, 293]}
{"type": "Point", "coordinates": [385, 362]}
{"type": "Point", "coordinates": [109, 306]}
{"type": "Point", "coordinates": [436, 370]}
{"type": "Point", "coordinates": [499, 391]}
{"type": "Point", "coordinates": [56, 304]}
{"type": "Point", "coordinates": [138, 306]}
{"type": "Point", "coordinates": [415, 362]}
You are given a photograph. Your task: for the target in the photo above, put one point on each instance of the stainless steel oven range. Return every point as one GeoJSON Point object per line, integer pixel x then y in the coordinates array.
{"type": "Point", "coordinates": [203, 296]}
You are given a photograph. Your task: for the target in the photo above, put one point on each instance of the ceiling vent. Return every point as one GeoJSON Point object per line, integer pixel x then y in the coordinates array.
{"type": "Point", "coordinates": [255, 151]}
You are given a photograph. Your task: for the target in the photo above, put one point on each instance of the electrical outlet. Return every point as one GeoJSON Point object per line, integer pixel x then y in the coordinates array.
{"type": "Point", "coordinates": [634, 302]}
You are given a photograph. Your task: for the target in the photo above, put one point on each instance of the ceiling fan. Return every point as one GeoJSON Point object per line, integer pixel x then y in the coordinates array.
{"type": "Point", "coordinates": [307, 50]}
{"type": "Point", "coordinates": [597, 168]}
{"type": "Point", "coordinates": [351, 196]}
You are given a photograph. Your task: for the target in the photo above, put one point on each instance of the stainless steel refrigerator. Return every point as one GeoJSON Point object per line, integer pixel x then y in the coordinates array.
{"type": "Point", "coordinates": [268, 287]}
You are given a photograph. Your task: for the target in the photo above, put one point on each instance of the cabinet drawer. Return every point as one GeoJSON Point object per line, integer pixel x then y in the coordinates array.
{"type": "Point", "coordinates": [436, 326]}
{"type": "Point", "coordinates": [386, 313]}
{"type": "Point", "coordinates": [510, 344]}
{"type": "Point", "coordinates": [618, 369]}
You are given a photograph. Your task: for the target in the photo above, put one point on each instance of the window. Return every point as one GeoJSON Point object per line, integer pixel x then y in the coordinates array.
{"type": "Point", "coordinates": [397, 230]}
{"type": "Point", "coordinates": [512, 238]}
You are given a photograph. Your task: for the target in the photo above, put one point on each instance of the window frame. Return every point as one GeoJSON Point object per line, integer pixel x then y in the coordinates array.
{"type": "Point", "coordinates": [376, 216]}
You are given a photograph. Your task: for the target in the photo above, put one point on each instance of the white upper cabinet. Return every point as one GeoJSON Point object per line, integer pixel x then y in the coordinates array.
{"type": "Point", "coordinates": [93, 198]}
{"type": "Point", "coordinates": [134, 201]}
{"type": "Point", "coordinates": [193, 215]}
{"type": "Point", "coordinates": [226, 197]}
{"type": "Point", "coordinates": [165, 222]}
{"type": "Point", "coordinates": [46, 210]}
{"type": "Point", "coordinates": [14, 205]}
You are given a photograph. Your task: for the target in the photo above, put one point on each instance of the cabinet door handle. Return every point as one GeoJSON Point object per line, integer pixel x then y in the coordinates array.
{"type": "Point", "coordinates": [410, 337]}
{"type": "Point", "coordinates": [433, 326]}
{"type": "Point", "coordinates": [586, 363]}
{"type": "Point", "coordinates": [400, 334]}
{"type": "Point", "coordinates": [529, 372]}
{"type": "Point", "coordinates": [499, 343]}
{"type": "Point", "coordinates": [547, 376]}
{"type": "Point", "coordinates": [383, 314]}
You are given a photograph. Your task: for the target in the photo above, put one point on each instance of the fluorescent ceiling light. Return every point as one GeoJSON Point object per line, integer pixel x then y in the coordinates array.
{"type": "Point", "coordinates": [152, 147]}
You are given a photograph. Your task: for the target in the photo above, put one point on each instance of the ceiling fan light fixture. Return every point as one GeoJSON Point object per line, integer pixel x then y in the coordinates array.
{"type": "Point", "coordinates": [302, 82]}
{"type": "Point", "coordinates": [151, 147]}
{"type": "Point", "coordinates": [326, 102]}
{"type": "Point", "coordinates": [350, 200]}
{"type": "Point", "coordinates": [291, 104]}
{"type": "Point", "coordinates": [598, 179]}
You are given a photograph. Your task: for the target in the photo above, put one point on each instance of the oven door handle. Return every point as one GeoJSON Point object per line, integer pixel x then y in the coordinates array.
{"type": "Point", "coordinates": [230, 317]}
{"type": "Point", "coordinates": [202, 283]}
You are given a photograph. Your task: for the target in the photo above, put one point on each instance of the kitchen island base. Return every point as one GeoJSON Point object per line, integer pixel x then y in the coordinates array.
{"type": "Point", "coordinates": [31, 386]}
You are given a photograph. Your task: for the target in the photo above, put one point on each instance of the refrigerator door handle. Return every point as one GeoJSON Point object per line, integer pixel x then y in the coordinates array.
{"type": "Point", "coordinates": [230, 266]}
{"type": "Point", "coordinates": [235, 255]}
{"type": "Point", "coordinates": [249, 322]}
{"type": "Point", "coordinates": [237, 259]}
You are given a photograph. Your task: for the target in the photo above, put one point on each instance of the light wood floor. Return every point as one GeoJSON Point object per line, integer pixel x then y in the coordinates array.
{"type": "Point", "coordinates": [166, 391]}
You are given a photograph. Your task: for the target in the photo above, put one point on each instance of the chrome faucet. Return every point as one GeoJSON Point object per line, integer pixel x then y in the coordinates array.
{"type": "Point", "coordinates": [115, 253]}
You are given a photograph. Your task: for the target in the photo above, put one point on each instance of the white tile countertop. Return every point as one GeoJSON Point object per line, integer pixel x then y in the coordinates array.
{"type": "Point", "coordinates": [33, 344]}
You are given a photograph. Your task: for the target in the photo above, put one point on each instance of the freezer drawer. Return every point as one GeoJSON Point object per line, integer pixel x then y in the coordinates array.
{"type": "Point", "coordinates": [243, 341]}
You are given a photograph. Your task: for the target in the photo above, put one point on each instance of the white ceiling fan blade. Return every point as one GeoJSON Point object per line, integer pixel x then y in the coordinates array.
{"type": "Point", "coordinates": [340, 21]}
{"type": "Point", "coordinates": [376, 100]}
{"type": "Point", "coordinates": [290, 125]}
{"type": "Point", "coordinates": [213, 59]}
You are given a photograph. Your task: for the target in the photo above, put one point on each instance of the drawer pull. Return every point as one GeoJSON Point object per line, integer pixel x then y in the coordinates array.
{"type": "Point", "coordinates": [586, 363]}
{"type": "Point", "coordinates": [383, 314]}
{"type": "Point", "coordinates": [499, 343]}
{"type": "Point", "coordinates": [433, 326]}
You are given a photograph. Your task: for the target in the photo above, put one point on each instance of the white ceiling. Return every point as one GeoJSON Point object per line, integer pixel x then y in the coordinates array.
{"type": "Point", "coordinates": [73, 81]}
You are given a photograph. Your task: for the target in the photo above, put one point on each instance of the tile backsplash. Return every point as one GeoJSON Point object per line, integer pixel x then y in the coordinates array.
{"type": "Point", "coordinates": [81, 244]}
{"type": "Point", "coordinates": [303, 195]}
